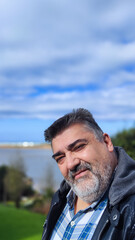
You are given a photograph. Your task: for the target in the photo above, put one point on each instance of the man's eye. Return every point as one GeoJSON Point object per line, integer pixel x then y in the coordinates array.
{"type": "Point", "coordinates": [59, 159]}
{"type": "Point", "coordinates": [79, 147]}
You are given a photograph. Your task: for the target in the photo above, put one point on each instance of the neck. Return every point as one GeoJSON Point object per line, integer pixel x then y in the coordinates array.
{"type": "Point", "coordinates": [80, 205]}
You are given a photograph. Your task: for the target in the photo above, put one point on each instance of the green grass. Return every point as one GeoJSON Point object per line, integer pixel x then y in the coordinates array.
{"type": "Point", "coordinates": [18, 224]}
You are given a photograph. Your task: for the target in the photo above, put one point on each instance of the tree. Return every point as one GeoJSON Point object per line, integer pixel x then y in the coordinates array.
{"type": "Point", "coordinates": [28, 188]}
{"type": "Point", "coordinates": [48, 185]}
{"type": "Point", "coordinates": [15, 179]}
{"type": "Point", "coordinates": [49, 177]}
{"type": "Point", "coordinates": [126, 139]}
{"type": "Point", "coordinates": [3, 172]}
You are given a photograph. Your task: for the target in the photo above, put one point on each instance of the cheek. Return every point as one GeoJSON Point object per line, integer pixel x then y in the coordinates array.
{"type": "Point", "coordinates": [93, 157]}
{"type": "Point", "coordinates": [88, 156]}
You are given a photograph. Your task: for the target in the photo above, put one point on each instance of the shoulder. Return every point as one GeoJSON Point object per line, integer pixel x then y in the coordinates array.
{"type": "Point", "coordinates": [127, 216]}
{"type": "Point", "coordinates": [128, 204]}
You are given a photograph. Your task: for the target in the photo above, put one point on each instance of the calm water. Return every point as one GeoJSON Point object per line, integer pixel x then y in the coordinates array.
{"type": "Point", "coordinates": [38, 163]}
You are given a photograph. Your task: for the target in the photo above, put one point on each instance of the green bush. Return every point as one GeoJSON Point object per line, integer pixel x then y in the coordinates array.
{"type": "Point", "coordinates": [126, 139]}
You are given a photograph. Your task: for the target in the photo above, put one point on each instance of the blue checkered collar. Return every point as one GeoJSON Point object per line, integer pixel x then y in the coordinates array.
{"type": "Point", "coordinates": [71, 198]}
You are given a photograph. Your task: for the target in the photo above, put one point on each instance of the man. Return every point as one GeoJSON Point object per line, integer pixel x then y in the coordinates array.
{"type": "Point", "coordinates": [96, 200]}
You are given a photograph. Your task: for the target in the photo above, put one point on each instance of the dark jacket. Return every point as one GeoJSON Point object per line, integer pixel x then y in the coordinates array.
{"type": "Point", "coordinates": [118, 219]}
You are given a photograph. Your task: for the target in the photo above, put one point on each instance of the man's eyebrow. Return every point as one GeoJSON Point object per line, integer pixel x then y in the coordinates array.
{"type": "Point", "coordinates": [72, 145]}
{"type": "Point", "coordinates": [57, 154]}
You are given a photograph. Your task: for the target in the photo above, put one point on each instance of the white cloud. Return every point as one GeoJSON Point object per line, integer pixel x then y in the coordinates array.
{"type": "Point", "coordinates": [67, 44]}
{"type": "Point", "coordinates": [115, 103]}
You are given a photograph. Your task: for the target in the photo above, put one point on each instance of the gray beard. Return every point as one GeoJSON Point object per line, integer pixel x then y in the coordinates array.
{"type": "Point", "coordinates": [91, 187]}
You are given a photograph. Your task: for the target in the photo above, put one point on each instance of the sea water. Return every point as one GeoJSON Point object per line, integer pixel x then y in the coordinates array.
{"type": "Point", "coordinates": [38, 164]}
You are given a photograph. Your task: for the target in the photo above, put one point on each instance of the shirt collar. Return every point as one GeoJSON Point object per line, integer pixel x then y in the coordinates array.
{"type": "Point", "coordinates": [71, 198]}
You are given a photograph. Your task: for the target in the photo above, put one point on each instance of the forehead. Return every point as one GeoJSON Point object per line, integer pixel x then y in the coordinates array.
{"type": "Point", "coordinates": [71, 134]}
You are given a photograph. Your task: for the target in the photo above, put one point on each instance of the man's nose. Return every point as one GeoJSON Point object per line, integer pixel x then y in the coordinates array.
{"type": "Point", "coordinates": [72, 160]}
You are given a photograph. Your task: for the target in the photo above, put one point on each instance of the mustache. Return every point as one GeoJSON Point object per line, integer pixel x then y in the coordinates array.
{"type": "Point", "coordinates": [78, 168]}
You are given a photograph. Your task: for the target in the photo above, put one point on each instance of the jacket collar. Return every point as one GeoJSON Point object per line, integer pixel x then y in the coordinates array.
{"type": "Point", "coordinates": [123, 183]}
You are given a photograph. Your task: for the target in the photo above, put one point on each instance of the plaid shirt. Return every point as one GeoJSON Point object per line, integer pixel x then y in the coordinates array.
{"type": "Point", "coordinates": [81, 225]}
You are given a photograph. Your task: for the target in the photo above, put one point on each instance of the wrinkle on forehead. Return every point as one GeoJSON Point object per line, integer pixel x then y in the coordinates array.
{"type": "Point", "coordinates": [70, 135]}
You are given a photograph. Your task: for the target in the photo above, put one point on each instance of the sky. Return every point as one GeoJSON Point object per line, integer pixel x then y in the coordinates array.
{"type": "Point", "coordinates": [59, 55]}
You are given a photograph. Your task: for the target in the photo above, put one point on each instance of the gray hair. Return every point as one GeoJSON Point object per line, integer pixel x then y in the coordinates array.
{"type": "Point", "coordinates": [79, 115]}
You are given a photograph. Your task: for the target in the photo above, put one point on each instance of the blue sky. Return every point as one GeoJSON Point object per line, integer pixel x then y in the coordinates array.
{"type": "Point", "coordinates": [60, 55]}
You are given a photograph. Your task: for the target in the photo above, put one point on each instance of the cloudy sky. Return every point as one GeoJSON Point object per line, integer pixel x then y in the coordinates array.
{"type": "Point", "coordinates": [57, 55]}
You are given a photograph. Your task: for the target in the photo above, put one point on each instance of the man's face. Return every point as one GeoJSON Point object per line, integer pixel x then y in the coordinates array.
{"type": "Point", "coordinates": [85, 163]}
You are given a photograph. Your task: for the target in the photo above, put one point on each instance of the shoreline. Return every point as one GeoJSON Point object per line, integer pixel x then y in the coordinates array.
{"type": "Point", "coordinates": [26, 146]}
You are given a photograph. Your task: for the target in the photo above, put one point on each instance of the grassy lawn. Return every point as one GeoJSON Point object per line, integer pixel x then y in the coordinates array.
{"type": "Point", "coordinates": [18, 224]}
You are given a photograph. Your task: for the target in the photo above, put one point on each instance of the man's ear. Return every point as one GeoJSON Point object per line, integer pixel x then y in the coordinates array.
{"type": "Point", "coordinates": [108, 142]}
